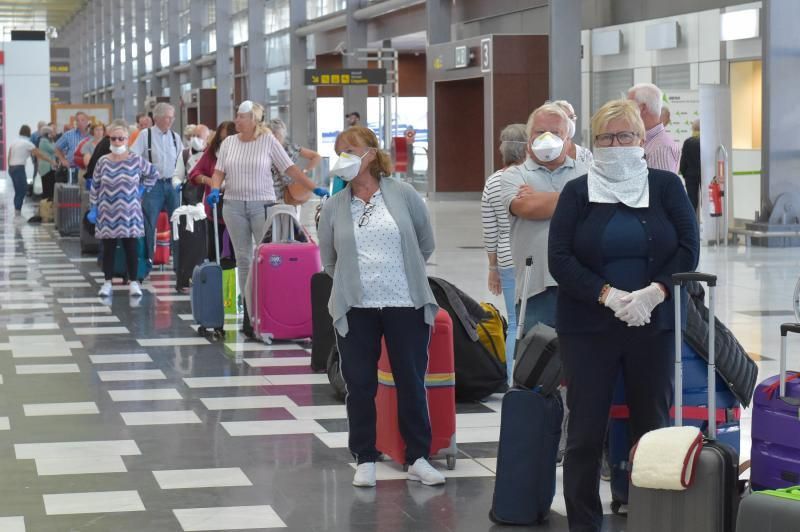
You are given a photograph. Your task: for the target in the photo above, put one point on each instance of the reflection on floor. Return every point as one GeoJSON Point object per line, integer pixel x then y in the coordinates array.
{"type": "Point", "coordinates": [118, 417]}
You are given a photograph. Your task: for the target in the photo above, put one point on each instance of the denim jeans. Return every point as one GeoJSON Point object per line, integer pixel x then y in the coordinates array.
{"type": "Point", "coordinates": [20, 180]}
{"type": "Point", "coordinates": [541, 308]}
{"type": "Point", "coordinates": [245, 222]}
{"type": "Point", "coordinates": [162, 197]}
{"type": "Point", "coordinates": [507, 283]}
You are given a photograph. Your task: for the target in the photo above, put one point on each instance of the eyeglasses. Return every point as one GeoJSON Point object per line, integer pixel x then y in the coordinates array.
{"type": "Point", "coordinates": [364, 219]}
{"type": "Point", "coordinates": [624, 138]}
{"type": "Point", "coordinates": [117, 139]}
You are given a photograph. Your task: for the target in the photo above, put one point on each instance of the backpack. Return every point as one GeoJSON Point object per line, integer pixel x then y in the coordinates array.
{"type": "Point", "coordinates": [77, 157]}
{"type": "Point", "coordinates": [492, 332]}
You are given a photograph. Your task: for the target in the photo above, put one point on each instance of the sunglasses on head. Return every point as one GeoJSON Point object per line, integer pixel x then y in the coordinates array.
{"type": "Point", "coordinates": [118, 139]}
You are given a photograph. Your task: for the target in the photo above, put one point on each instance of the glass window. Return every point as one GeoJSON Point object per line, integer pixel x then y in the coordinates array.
{"type": "Point", "coordinates": [277, 49]}
{"type": "Point", "coordinates": [276, 83]}
{"type": "Point", "coordinates": [209, 83]}
{"type": "Point", "coordinates": [209, 41]}
{"type": "Point", "coordinates": [239, 25]}
{"type": "Point", "coordinates": [276, 15]}
{"type": "Point", "coordinates": [185, 87]}
{"type": "Point", "coordinates": [165, 57]}
{"type": "Point", "coordinates": [134, 51]}
{"type": "Point", "coordinates": [212, 12]}
{"type": "Point", "coordinates": [238, 5]}
{"type": "Point", "coordinates": [319, 8]}
{"type": "Point", "coordinates": [148, 63]}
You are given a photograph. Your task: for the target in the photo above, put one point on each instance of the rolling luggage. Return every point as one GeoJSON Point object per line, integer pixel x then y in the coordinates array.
{"type": "Point", "coordinates": [67, 207]}
{"type": "Point", "coordinates": [530, 429]}
{"type": "Point", "coordinates": [161, 255]}
{"type": "Point", "coordinates": [281, 278]}
{"type": "Point", "coordinates": [192, 251]}
{"type": "Point", "coordinates": [775, 454]}
{"type": "Point", "coordinates": [710, 503]}
{"type": "Point", "coordinates": [121, 265]}
{"type": "Point", "coordinates": [322, 335]}
{"type": "Point", "coordinates": [440, 388]}
{"type": "Point", "coordinates": [206, 293]}
{"type": "Point", "coordinates": [89, 244]}
{"type": "Point", "coordinates": [770, 511]}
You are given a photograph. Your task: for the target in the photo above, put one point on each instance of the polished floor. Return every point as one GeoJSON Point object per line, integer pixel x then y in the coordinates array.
{"type": "Point", "coordinates": [119, 417]}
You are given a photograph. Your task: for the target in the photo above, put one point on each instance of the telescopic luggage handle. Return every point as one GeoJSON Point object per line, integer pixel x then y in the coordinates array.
{"type": "Point", "coordinates": [785, 328]}
{"type": "Point", "coordinates": [678, 280]}
{"type": "Point", "coordinates": [523, 304]}
{"type": "Point", "coordinates": [216, 233]}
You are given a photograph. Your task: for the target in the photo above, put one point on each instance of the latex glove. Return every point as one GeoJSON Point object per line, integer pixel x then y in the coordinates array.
{"type": "Point", "coordinates": [141, 191]}
{"type": "Point", "coordinates": [321, 192]}
{"type": "Point", "coordinates": [614, 299]}
{"type": "Point", "coordinates": [88, 184]}
{"type": "Point", "coordinates": [494, 282]}
{"type": "Point", "coordinates": [91, 216]}
{"type": "Point", "coordinates": [640, 304]}
{"type": "Point", "coordinates": [213, 197]}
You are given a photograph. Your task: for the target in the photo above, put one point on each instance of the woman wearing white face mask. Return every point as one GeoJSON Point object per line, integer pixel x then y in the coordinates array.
{"type": "Point", "coordinates": [118, 181]}
{"type": "Point", "coordinates": [375, 237]}
{"type": "Point", "coordinates": [189, 156]}
{"type": "Point", "coordinates": [575, 151]}
{"type": "Point", "coordinates": [617, 236]}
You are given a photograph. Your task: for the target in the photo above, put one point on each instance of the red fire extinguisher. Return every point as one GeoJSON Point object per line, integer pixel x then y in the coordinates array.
{"type": "Point", "coordinates": [714, 199]}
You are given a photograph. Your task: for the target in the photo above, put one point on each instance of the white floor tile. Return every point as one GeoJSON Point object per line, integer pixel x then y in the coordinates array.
{"type": "Point", "coordinates": [465, 468]}
{"type": "Point", "coordinates": [79, 300]}
{"type": "Point", "coordinates": [97, 502]}
{"type": "Point", "coordinates": [131, 375]}
{"type": "Point", "coordinates": [23, 296]}
{"type": "Point", "coordinates": [278, 362]}
{"type": "Point", "coordinates": [84, 259]}
{"type": "Point", "coordinates": [186, 317]}
{"type": "Point", "coordinates": [228, 518]}
{"type": "Point", "coordinates": [254, 346]}
{"type": "Point", "coordinates": [60, 409]}
{"type": "Point", "coordinates": [5, 424]}
{"type": "Point", "coordinates": [12, 524]}
{"type": "Point", "coordinates": [64, 278]}
{"type": "Point", "coordinates": [33, 326]}
{"type": "Point", "coordinates": [318, 412]}
{"type": "Point", "coordinates": [174, 298]}
{"type": "Point", "coordinates": [488, 463]}
{"type": "Point", "coordinates": [75, 320]}
{"type": "Point", "coordinates": [93, 331]}
{"type": "Point", "coordinates": [477, 434]}
{"type": "Point", "coordinates": [24, 306]}
{"type": "Point", "coordinates": [221, 477]}
{"type": "Point", "coordinates": [83, 465]}
{"type": "Point", "coordinates": [245, 402]}
{"type": "Point", "coordinates": [39, 339]}
{"type": "Point", "coordinates": [272, 427]}
{"type": "Point", "coordinates": [120, 359]}
{"type": "Point", "coordinates": [76, 449]}
{"type": "Point", "coordinates": [93, 309]}
{"type": "Point", "coordinates": [71, 285]}
{"type": "Point", "coordinates": [284, 380]}
{"type": "Point", "coordinates": [164, 417]}
{"type": "Point", "coordinates": [39, 369]}
{"type": "Point", "coordinates": [37, 351]}
{"type": "Point", "coordinates": [477, 420]}
{"type": "Point", "coordinates": [221, 382]}
{"type": "Point", "coordinates": [333, 440]}
{"type": "Point", "coordinates": [155, 394]}
{"type": "Point", "coordinates": [172, 342]}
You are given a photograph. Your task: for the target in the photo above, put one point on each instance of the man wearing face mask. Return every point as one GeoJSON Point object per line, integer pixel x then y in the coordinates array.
{"type": "Point", "coordinates": [192, 154]}
{"type": "Point", "coordinates": [530, 192]}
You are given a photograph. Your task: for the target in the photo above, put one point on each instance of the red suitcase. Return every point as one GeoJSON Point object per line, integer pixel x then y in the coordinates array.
{"type": "Point", "coordinates": [440, 383]}
{"type": "Point", "coordinates": [163, 232]}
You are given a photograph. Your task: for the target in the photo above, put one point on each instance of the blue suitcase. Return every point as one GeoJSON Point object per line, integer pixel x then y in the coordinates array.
{"type": "Point", "coordinates": [530, 430]}
{"type": "Point", "coordinates": [208, 307]}
{"type": "Point", "coordinates": [121, 263]}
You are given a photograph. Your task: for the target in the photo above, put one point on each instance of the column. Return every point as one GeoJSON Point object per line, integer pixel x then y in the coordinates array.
{"type": "Point", "coordinates": [198, 17]}
{"type": "Point", "coordinates": [303, 130]}
{"type": "Point", "coordinates": [439, 20]}
{"type": "Point", "coordinates": [224, 65]}
{"type": "Point", "coordinates": [155, 42]}
{"type": "Point", "coordinates": [256, 54]}
{"type": "Point", "coordinates": [109, 69]}
{"type": "Point", "coordinates": [565, 53]}
{"type": "Point", "coordinates": [141, 85]}
{"type": "Point", "coordinates": [129, 91]}
{"type": "Point", "coordinates": [174, 42]}
{"type": "Point", "coordinates": [355, 98]}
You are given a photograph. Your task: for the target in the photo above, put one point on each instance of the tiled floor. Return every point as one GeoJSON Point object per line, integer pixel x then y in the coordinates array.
{"type": "Point", "coordinates": [117, 417]}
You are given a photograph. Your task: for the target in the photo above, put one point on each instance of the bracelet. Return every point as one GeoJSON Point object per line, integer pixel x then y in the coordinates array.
{"type": "Point", "coordinates": [492, 268]}
{"type": "Point", "coordinates": [603, 292]}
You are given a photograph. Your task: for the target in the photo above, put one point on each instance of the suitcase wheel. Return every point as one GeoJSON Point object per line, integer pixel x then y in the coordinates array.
{"type": "Point", "coordinates": [616, 506]}
{"type": "Point", "coordinates": [202, 331]}
{"type": "Point", "coordinates": [451, 462]}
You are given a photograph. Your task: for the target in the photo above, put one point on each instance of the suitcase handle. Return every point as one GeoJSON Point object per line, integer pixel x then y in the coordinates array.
{"type": "Point", "coordinates": [785, 328]}
{"type": "Point", "coordinates": [523, 304]}
{"type": "Point", "coordinates": [678, 279]}
{"type": "Point", "coordinates": [790, 327]}
{"type": "Point", "coordinates": [216, 233]}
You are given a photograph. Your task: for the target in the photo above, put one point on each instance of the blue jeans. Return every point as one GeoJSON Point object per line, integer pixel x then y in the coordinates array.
{"type": "Point", "coordinates": [162, 197]}
{"type": "Point", "coordinates": [507, 283]}
{"type": "Point", "coordinates": [20, 180]}
{"type": "Point", "coordinates": [541, 308]}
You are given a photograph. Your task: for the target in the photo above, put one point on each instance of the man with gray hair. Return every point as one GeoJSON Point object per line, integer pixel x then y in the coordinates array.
{"type": "Point", "coordinates": [530, 192]}
{"type": "Point", "coordinates": [660, 149]}
{"type": "Point", "coordinates": [161, 146]}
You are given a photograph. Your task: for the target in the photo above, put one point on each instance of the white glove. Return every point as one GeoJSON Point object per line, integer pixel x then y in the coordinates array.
{"type": "Point", "coordinates": [639, 305]}
{"type": "Point", "coordinates": [614, 299]}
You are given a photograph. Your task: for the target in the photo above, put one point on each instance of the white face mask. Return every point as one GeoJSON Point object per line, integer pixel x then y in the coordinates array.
{"type": "Point", "coordinates": [198, 144]}
{"type": "Point", "coordinates": [119, 150]}
{"type": "Point", "coordinates": [547, 147]}
{"type": "Point", "coordinates": [571, 128]}
{"type": "Point", "coordinates": [347, 166]}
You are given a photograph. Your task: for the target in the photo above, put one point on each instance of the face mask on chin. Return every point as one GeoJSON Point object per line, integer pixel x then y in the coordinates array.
{"type": "Point", "coordinates": [547, 147]}
{"type": "Point", "coordinates": [347, 166]}
{"type": "Point", "coordinates": [119, 150]}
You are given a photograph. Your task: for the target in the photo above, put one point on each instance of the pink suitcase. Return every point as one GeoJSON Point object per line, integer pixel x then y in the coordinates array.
{"type": "Point", "coordinates": [281, 279]}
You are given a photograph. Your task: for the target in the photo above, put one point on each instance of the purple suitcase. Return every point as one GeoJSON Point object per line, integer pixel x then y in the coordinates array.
{"type": "Point", "coordinates": [776, 426]}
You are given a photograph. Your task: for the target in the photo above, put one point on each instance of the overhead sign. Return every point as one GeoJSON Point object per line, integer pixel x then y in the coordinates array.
{"type": "Point", "coordinates": [486, 55]}
{"type": "Point", "coordinates": [345, 76]}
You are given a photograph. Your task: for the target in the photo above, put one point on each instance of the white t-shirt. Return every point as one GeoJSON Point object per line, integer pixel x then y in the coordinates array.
{"type": "Point", "coordinates": [19, 151]}
{"type": "Point", "coordinates": [248, 167]}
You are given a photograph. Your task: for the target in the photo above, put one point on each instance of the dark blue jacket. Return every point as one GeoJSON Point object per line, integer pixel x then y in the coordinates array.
{"type": "Point", "coordinates": [576, 258]}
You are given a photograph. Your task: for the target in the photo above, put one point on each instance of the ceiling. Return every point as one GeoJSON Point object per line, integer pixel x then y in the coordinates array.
{"type": "Point", "coordinates": [36, 14]}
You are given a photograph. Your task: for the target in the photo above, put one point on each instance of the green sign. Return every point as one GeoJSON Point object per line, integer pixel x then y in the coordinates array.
{"type": "Point", "coordinates": [341, 77]}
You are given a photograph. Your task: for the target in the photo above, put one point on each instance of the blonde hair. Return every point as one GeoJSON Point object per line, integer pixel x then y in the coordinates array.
{"type": "Point", "coordinates": [117, 124]}
{"type": "Point", "coordinates": [362, 136]}
{"type": "Point", "coordinates": [618, 109]}
{"type": "Point", "coordinates": [547, 109]}
{"type": "Point", "coordinates": [258, 115]}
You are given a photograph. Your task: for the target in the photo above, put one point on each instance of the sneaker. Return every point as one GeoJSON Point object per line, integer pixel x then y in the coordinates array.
{"type": "Point", "coordinates": [135, 289]}
{"type": "Point", "coordinates": [365, 475]}
{"type": "Point", "coordinates": [423, 471]}
{"type": "Point", "coordinates": [105, 290]}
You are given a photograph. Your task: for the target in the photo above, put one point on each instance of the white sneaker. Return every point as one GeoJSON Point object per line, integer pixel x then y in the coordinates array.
{"type": "Point", "coordinates": [423, 471]}
{"type": "Point", "coordinates": [365, 475]}
{"type": "Point", "coordinates": [105, 290]}
{"type": "Point", "coordinates": [135, 289]}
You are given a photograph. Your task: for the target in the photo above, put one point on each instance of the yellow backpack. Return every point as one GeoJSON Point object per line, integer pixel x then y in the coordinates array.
{"type": "Point", "coordinates": [492, 332]}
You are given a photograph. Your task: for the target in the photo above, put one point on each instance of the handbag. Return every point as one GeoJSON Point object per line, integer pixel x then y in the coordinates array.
{"type": "Point", "coordinates": [37, 185]}
{"type": "Point", "coordinates": [192, 194]}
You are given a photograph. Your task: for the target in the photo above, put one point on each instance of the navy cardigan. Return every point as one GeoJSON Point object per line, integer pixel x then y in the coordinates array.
{"type": "Point", "coordinates": [576, 258]}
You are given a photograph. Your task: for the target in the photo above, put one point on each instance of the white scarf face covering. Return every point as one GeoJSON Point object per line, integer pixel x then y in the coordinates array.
{"type": "Point", "coordinates": [619, 175]}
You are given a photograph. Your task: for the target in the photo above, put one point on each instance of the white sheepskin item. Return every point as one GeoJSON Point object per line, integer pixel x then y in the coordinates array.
{"type": "Point", "coordinates": [665, 459]}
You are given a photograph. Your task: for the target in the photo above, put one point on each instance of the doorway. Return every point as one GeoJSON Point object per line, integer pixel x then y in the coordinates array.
{"type": "Point", "coordinates": [459, 127]}
{"type": "Point", "coordinates": [745, 82]}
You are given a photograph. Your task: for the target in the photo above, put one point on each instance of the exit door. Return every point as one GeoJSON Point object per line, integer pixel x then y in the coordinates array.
{"type": "Point", "coordinates": [459, 135]}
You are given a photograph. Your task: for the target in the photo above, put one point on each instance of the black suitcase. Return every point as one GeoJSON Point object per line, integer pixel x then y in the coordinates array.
{"type": "Point", "coordinates": [192, 251]}
{"type": "Point", "coordinates": [89, 244]}
{"type": "Point", "coordinates": [530, 430]}
{"type": "Point", "coordinates": [67, 209]}
{"type": "Point", "coordinates": [322, 335]}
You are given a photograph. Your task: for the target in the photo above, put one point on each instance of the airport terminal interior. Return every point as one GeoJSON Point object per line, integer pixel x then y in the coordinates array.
{"type": "Point", "coordinates": [117, 414]}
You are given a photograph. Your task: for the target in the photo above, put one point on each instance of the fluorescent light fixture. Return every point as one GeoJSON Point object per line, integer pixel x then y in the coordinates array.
{"type": "Point", "coordinates": [606, 42]}
{"type": "Point", "coordinates": [737, 25]}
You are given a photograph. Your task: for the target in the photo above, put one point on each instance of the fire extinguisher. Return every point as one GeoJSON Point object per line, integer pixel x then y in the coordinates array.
{"type": "Point", "coordinates": [714, 199]}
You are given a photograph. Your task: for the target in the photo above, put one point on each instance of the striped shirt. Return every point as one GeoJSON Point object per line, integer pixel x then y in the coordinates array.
{"type": "Point", "coordinates": [496, 228]}
{"type": "Point", "coordinates": [248, 167]}
{"type": "Point", "coordinates": [68, 143]}
{"type": "Point", "coordinates": [660, 150]}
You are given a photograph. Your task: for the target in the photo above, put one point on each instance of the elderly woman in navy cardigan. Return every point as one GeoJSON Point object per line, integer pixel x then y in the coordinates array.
{"type": "Point", "coordinates": [616, 237]}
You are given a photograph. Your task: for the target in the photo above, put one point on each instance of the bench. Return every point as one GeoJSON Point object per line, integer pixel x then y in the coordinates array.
{"type": "Point", "coordinates": [748, 234]}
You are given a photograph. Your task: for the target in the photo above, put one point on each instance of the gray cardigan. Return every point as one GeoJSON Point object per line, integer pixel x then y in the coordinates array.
{"type": "Point", "coordinates": [337, 245]}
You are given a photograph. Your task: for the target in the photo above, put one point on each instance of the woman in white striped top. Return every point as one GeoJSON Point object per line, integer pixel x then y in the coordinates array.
{"type": "Point", "coordinates": [496, 230]}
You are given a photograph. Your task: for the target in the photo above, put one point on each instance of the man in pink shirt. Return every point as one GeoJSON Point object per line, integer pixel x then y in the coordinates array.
{"type": "Point", "coordinates": [660, 148]}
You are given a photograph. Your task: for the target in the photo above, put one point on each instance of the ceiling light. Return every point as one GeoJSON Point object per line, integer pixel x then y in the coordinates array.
{"type": "Point", "coordinates": [737, 25]}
